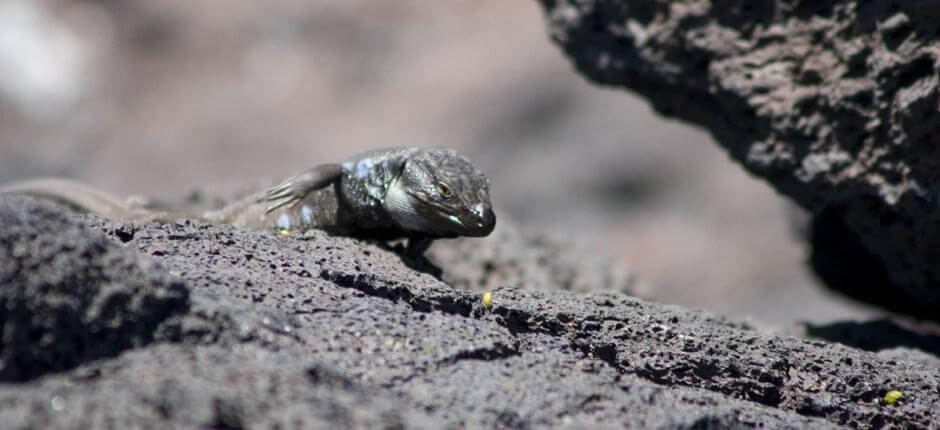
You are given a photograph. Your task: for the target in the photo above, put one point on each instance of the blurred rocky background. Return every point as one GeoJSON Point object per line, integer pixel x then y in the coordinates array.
{"type": "Point", "coordinates": [161, 99]}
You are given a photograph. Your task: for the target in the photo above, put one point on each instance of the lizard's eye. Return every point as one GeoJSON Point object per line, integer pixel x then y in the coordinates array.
{"type": "Point", "coordinates": [443, 189]}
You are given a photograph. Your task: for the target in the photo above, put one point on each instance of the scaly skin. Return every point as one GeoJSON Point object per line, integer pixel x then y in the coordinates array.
{"type": "Point", "coordinates": [418, 193]}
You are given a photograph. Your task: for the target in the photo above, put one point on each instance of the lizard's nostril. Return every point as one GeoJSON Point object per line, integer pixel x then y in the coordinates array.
{"type": "Point", "coordinates": [480, 210]}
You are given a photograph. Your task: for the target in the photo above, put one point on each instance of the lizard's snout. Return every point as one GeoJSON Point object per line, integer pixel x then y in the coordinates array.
{"type": "Point", "coordinates": [483, 223]}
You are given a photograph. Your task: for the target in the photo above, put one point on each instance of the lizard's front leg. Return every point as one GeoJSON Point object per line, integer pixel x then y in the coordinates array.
{"type": "Point", "coordinates": [292, 191]}
{"type": "Point", "coordinates": [417, 245]}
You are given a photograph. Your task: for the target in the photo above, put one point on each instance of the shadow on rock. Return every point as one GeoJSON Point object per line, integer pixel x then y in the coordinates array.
{"type": "Point", "coordinates": [416, 263]}
{"type": "Point", "coordinates": [876, 336]}
{"type": "Point", "coordinates": [846, 265]}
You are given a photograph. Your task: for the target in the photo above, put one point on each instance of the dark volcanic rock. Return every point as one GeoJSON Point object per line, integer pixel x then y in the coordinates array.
{"type": "Point", "coordinates": [510, 257]}
{"type": "Point", "coordinates": [320, 331]}
{"type": "Point", "coordinates": [172, 386]}
{"type": "Point", "coordinates": [834, 103]}
{"type": "Point", "coordinates": [70, 295]}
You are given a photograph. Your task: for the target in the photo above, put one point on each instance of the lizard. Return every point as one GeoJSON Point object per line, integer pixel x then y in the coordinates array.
{"type": "Point", "coordinates": [421, 194]}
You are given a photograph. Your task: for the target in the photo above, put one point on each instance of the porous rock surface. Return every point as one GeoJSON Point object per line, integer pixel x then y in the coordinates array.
{"type": "Point", "coordinates": [834, 103]}
{"type": "Point", "coordinates": [69, 297]}
{"type": "Point", "coordinates": [253, 329]}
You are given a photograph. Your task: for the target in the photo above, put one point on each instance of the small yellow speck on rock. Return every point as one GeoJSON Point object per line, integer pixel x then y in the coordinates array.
{"type": "Point", "coordinates": [893, 396]}
{"type": "Point", "coordinates": [285, 232]}
{"type": "Point", "coordinates": [487, 299]}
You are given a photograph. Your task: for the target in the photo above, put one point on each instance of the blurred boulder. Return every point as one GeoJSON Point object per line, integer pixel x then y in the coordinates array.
{"type": "Point", "coordinates": [834, 103]}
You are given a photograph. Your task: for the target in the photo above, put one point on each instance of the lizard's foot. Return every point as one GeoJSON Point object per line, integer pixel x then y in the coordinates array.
{"type": "Point", "coordinates": [293, 190]}
{"type": "Point", "coordinates": [413, 256]}
{"type": "Point", "coordinates": [417, 245]}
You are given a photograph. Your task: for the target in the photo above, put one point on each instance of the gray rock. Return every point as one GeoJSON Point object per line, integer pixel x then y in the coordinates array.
{"type": "Point", "coordinates": [512, 257]}
{"type": "Point", "coordinates": [834, 103]}
{"type": "Point", "coordinates": [320, 331]}
{"type": "Point", "coordinates": [69, 295]}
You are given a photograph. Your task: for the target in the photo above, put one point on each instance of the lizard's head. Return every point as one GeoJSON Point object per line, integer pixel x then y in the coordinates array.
{"type": "Point", "coordinates": [440, 193]}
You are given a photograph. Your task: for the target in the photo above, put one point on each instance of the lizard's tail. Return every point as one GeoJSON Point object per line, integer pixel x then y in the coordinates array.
{"type": "Point", "coordinates": [78, 196]}
{"type": "Point", "coordinates": [247, 212]}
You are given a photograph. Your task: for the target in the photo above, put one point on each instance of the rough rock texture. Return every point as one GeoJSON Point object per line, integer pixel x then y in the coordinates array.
{"type": "Point", "coordinates": [834, 103]}
{"type": "Point", "coordinates": [335, 332]}
{"type": "Point", "coordinates": [69, 296]}
{"type": "Point", "coordinates": [510, 257]}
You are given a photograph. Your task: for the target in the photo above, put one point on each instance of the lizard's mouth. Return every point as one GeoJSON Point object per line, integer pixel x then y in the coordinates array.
{"type": "Point", "coordinates": [461, 220]}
